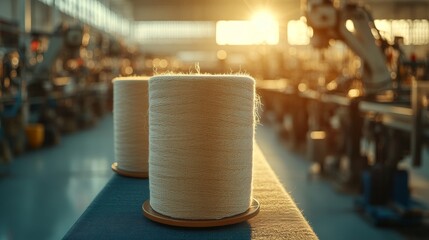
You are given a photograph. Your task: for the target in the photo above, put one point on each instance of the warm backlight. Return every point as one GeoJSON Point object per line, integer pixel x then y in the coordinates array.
{"type": "Point", "coordinates": [261, 29]}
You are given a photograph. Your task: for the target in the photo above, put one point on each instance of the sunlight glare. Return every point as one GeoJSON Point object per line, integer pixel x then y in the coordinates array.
{"type": "Point", "coordinates": [261, 29]}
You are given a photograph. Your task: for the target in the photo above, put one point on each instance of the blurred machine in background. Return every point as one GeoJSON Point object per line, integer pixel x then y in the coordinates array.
{"type": "Point", "coordinates": [11, 94]}
{"type": "Point", "coordinates": [359, 117]}
{"type": "Point", "coordinates": [57, 83]}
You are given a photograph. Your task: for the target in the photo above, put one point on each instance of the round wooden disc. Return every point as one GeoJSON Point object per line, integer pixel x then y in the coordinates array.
{"type": "Point", "coordinates": [157, 217]}
{"type": "Point", "coordinates": [128, 173]}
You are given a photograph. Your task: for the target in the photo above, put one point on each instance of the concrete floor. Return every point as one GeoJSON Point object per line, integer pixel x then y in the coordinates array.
{"type": "Point", "coordinates": [43, 192]}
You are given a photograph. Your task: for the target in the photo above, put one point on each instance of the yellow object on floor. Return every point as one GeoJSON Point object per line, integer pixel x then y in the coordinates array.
{"type": "Point", "coordinates": [35, 135]}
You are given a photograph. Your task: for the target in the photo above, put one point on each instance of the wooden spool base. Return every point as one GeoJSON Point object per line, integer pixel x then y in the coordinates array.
{"type": "Point", "coordinates": [157, 217]}
{"type": "Point", "coordinates": [128, 173]}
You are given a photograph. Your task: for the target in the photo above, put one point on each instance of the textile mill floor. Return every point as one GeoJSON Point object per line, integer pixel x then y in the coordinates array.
{"type": "Point", "coordinates": [44, 192]}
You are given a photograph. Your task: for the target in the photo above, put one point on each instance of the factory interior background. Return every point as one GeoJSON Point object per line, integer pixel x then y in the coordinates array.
{"type": "Point", "coordinates": [343, 85]}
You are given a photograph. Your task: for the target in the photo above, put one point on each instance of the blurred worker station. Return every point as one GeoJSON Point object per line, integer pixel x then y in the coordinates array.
{"type": "Point", "coordinates": [343, 113]}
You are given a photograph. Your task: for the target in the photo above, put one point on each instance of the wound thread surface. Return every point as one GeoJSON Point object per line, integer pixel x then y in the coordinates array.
{"type": "Point", "coordinates": [130, 108]}
{"type": "Point", "coordinates": [201, 133]}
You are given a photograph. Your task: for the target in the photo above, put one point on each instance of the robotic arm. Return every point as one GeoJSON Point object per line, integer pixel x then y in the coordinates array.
{"type": "Point", "coordinates": [329, 22]}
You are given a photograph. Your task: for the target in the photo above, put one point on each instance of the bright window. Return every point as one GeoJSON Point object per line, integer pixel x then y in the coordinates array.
{"type": "Point", "coordinates": [254, 32]}
{"type": "Point", "coordinates": [298, 33]}
{"type": "Point", "coordinates": [414, 32]}
{"type": "Point", "coordinates": [158, 31]}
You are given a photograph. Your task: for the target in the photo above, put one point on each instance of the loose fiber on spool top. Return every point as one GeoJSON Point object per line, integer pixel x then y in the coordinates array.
{"type": "Point", "coordinates": [130, 110]}
{"type": "Point", "coordinates": [201, 133]}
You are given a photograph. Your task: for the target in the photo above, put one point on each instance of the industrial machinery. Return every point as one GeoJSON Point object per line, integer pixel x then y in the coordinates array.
{"type": "Point", "coordinates": [56, 81]}
{"type": "Point", "coordinates": [372, 106]}
{"type": "Point", "coordinates": [46, 84]}
{"type": "Point", "coordinates": [53, 90]}
{"type": "Point", "coordinates": [65, 37]}
{"type": "Point", "coordinates": [333, 107]}
{"type": "Point", "coordinates": [12, 136]}
{"type": "Point", "coordinates": [330, 22]}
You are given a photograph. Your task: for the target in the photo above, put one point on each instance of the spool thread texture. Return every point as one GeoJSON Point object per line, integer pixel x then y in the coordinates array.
{"type": "Point", "coordinates": [201, 133]}
{"type": "Point", "coordinates": [130, 108]}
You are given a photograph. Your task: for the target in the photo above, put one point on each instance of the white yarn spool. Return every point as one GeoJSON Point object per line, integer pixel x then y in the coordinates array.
{"type": "Point", "coordinates": [201, 133]}
{"type": "Point", "coordinates": [130, 110]}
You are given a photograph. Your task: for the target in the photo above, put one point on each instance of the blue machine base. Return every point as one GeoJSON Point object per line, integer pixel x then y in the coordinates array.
{"type": "Point", "coordinates": [389, 215]}
{"type": "Point", "coordinates": [386, 198]}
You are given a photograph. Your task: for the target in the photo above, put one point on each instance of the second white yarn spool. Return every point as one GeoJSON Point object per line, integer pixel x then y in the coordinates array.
{"type": "Point", "coordinates": [201, 133]}
{"type": "Point", "coordinates": [130, 113]}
